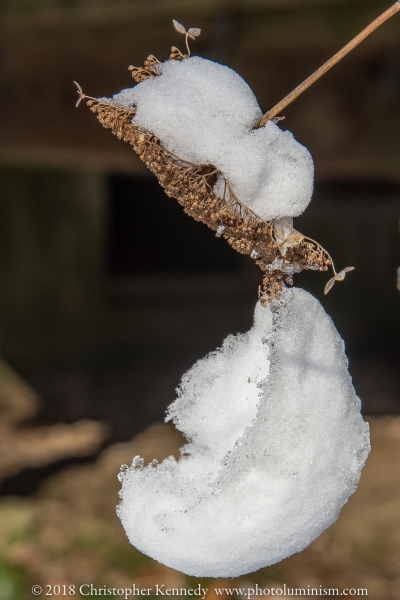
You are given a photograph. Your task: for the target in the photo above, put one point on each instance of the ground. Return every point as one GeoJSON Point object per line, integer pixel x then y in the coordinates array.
{"type": "Point", "coordinates": [68, 533]}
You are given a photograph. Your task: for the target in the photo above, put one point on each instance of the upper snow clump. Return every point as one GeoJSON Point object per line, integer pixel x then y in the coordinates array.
{"type": "Point", "coordinates": [205, 113]}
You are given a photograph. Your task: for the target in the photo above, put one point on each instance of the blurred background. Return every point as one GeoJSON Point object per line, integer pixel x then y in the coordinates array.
{"type": "Point", "coordinates": [109, 292]}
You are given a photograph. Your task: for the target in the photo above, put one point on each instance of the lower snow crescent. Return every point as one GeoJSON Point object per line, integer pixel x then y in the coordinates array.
{"type": "Point", "coordinates": [276, 447]}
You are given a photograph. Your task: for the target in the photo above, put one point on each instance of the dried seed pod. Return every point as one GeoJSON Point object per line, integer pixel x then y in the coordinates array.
{"type": "Point", "coordinates": [267, 242]}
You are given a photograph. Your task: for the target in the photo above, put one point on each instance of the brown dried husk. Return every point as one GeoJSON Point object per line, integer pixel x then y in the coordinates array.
{"type": "Point", "coordinates": [192, 185]}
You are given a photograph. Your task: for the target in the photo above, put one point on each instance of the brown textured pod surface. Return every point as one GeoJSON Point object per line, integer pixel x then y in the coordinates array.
{"type": "Point", "coordinates": [192, 185]}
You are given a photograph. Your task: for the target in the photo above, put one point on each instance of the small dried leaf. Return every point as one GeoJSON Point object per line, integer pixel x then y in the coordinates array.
{"type": "Point", "coordinates": [283, 249]}
{"type": "Point", "coordinates": [294, 239]}
{"type": "Point", "coordinates": [341, 275]}
{"type": "Point", "coordinates": [329, 285]}
{"type": "Point", "coordinates": [179, 27]}
{"type": "Point", "coordinates": [195, 31]}
{"type": "Point", "coordinates": [279, 231]}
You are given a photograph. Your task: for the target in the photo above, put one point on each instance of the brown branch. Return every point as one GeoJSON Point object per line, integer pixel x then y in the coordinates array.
{"type": "Point", "coordinates": [329, 64]}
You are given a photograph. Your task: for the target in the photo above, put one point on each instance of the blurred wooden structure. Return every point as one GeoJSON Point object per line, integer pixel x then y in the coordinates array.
{"type": "Point", "coordinates": [349, 120]}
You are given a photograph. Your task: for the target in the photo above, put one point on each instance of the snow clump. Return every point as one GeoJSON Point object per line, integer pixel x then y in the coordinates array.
{"type": "Point", "coordinates": [205, 113]}
{"type": "Point", "coordinates": [276, 444]}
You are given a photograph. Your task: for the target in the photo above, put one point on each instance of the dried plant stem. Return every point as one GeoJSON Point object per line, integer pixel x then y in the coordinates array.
{"type": "Point", "coordinates": [329, 64]}
{"type": "Point", "coordinates": [193, 186]}
{"type": "Point", "coordinates": [278, 254]}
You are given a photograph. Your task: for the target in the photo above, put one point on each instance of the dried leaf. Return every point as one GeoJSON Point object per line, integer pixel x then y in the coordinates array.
{"type": "Point", "coordinates": [279, 231]}
{"type": "Point", "coordinates": [179, 27]}
{"type": "Point", "coordinates": [283, 248]}
{"type": "Point", "coordinates": [329, 285]}
{"type": "Point", "coordinates": [341, 275]}
{"type": "Point", "coordinates": [294, 239]}
{"type": "Point", "coordinates": [194, 31]}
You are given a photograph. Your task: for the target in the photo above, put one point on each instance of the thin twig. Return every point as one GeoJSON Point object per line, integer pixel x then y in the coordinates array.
{"type": "Point", "coordinates": [329, 64]}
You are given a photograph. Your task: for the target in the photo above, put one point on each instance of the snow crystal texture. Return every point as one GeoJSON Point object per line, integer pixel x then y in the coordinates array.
{"type": "Point", "coordinates": [205, 113]}
{"type": "Point", "coordinates": [276, 447]}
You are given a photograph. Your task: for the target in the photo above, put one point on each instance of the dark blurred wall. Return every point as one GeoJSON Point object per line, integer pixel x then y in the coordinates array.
{"type": "Point", "coordinates": [51, 263]}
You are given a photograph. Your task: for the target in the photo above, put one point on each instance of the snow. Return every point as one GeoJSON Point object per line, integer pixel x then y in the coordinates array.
{"type": "Point", "coordinates": [276, 444]}
{"type": "Point", "coordinates": [275, 438]}
{"type": "Point", "coordinates": [205, 113]}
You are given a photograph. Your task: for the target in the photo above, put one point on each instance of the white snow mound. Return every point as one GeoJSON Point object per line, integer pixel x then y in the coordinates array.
{"type": "Point", "coordinates": [205, 113]}
{"type": "Point", "coordinates": [276, 447]}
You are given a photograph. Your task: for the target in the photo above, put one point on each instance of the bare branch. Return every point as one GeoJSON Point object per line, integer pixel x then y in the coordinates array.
{"type": "Point", "coordinates": [329, 64]}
